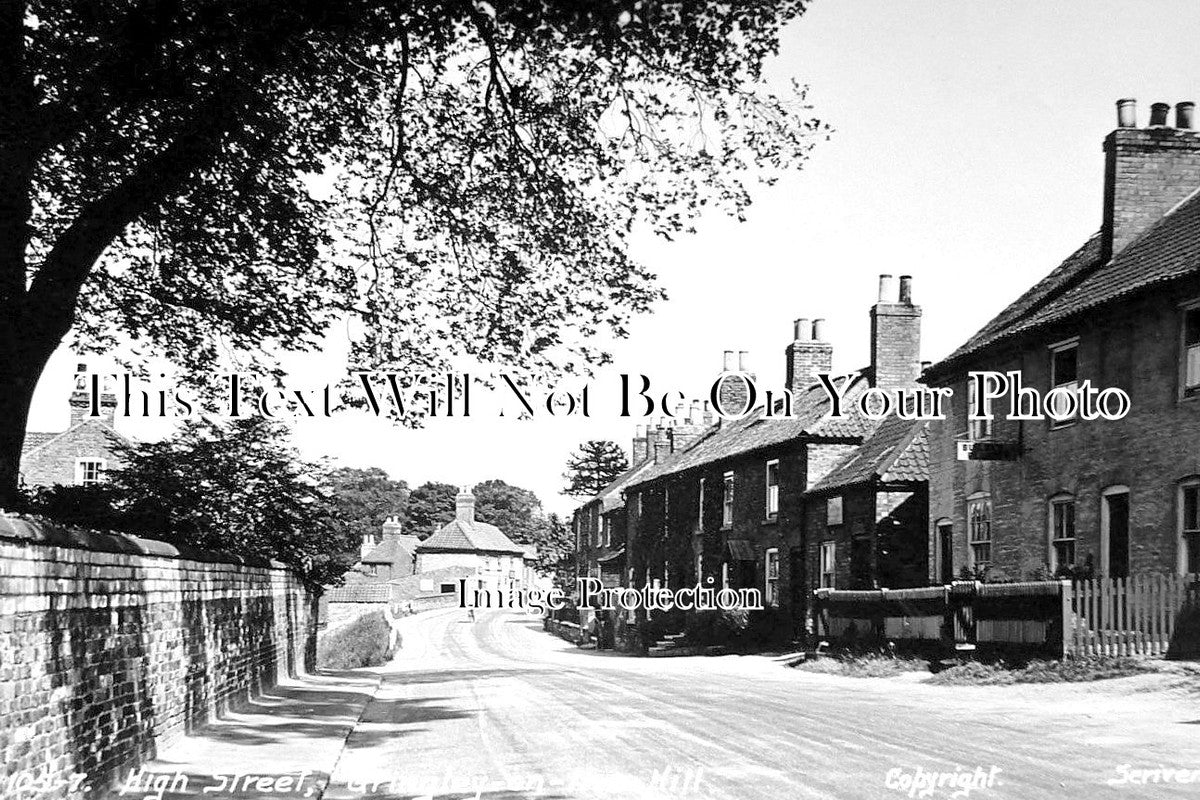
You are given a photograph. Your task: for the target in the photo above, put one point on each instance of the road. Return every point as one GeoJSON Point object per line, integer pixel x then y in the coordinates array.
{"type": "Point", "coordinates": [499, 709]}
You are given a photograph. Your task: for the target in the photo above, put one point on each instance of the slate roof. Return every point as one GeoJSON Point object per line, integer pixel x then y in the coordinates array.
{"type": "Point", "coordinates": [1169, 250]}
{"type": "Point", "coordinates": [810, 421]}
{"type": "Point", "coordinates": [392, 548]}
{"type": "Point", "coordinates": [610, 498]}
{"type": "Point", "coordinates": [459, 535]}
{"type": "Point", "coordinates": [898, 452]}
{"type": "Point", "coordinates": [35, 439]}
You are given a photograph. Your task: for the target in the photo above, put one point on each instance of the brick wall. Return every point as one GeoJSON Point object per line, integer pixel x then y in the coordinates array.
{"type": "Point", "coordinates": [111, 646]}
{"type": "Point", "coordinates": [1134, 347]}
{"type": "Point", "coordinates": [54, 462]}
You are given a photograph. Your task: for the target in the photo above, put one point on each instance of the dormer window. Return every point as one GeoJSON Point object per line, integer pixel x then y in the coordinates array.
{"type": "Point", "coordinates": [1190, 368]}
{"type": "Point", "coordinates": [1064, 374]}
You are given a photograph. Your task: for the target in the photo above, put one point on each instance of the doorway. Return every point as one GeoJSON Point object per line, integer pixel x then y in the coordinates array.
{"type": "Point", "coordinates": [945, 552]}
{"type": "Point", "coordinates": [1114, 532]}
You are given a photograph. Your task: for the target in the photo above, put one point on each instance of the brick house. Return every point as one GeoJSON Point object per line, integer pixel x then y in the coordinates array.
{"type": "Point", "coordinates": [466, 542]}
{"type": "Point", "coordinates": [385, 556]}
{"type": "Point", "coordinates": [1089, 497]}
{"type": "Point", "coordinates": [866, 520]}
{"type": "Point", "coordinates": [80, 454]}
{"type": "Point", "coordinates": [731, 507]}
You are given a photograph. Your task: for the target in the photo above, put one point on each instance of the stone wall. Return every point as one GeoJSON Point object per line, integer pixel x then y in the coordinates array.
{"type": "Point", "coordinates": [111, 646]}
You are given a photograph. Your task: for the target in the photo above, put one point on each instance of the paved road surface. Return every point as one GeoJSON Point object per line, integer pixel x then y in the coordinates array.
{"type": "Point", "coordinates": [501, 708]}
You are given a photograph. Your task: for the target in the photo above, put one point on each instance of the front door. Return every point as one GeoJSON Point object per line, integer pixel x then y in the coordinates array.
{"type": "Point", "coordinates": [1117, 506]}
{"type": "Point", "coordinates": [946, 552]}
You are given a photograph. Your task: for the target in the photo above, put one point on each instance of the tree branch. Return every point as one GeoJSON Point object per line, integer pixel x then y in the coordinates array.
{"type": "Point", "coordinates": [16, 156]}
{"type": "Point", "coordinates": [54, 293]}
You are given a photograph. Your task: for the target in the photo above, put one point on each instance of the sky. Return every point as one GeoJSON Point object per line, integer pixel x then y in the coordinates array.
{"type": "Point", "coordinates": [966, 152]}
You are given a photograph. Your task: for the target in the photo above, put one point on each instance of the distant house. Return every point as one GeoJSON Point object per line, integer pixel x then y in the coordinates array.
{"type": "Point", "coordinates": [1078, 497]}
{"type": "Point", "coordinates": [81, 454]}
{"type": "Point", "coordinates": [388, 556]}
{"type": "Point", "coordinates": [483, 548]}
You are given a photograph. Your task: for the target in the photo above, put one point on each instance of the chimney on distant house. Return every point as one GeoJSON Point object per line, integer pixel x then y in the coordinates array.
{"type": "Point", "coordinates": [734, 391]}
{"type": "Point", "coordinates": [689, 428]}
{"type": "Point", "coordinates": [464, 505]}
{"type": "Point", "coordinates": [895, 335]}
{"type": "Point", "coordinates": [808, 354]}
{"type": "Point", "coordinates": [1147, 171]}
{"type": "Point", "coordinates": [81, 398]}
{"type": "Point", "coordinates": [641, 445]}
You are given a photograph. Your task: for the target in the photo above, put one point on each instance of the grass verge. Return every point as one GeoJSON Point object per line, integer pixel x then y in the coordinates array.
{"type": "Point", "coordinates": [1070, 670]}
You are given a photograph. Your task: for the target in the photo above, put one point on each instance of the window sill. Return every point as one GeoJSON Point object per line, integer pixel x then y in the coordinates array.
{"type": "Point", "coordinates": [771, 521]}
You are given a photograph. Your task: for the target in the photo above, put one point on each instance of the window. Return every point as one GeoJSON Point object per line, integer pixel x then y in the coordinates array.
{"type": "Point", "coordinates": [1189, 527]}
{"type": "Point", "coordinates": [446, 588]}
{"type": "Point", "coordinates": [771, 570]}
{"type": "Point", "coordinates": [727, 502]}
{"type": "Point", "coordinates": [1064, 374]}
{"type": "Point", "coordinates": [773, 488]}
{"type": "Point", "coordinates": [979, 530]}
{"type": "Point", "coordinates": [1062, 532]}
{"type": "Point", "coordinates": [700, 511]}
{"type": "Point", "coordinates": [700, 567]}
{"type": "Point", "coordinates": [828, 564]}
{"type": "Point", "coordinates": [977, 429]}
{"type": "Point", "coordinates": [373, 570]}
{"type": "Point", "coordinates": [833, 511]}
{"type": "Point", "coordinates": [1191, 352]}
{"type": "Point", "coordinates": [607, 531]}
{"type": "Point", "coordinates": [89, 470]}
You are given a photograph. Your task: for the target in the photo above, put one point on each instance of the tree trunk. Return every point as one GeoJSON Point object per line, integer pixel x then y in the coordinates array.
{"type": "Point", "coordinates": [21, 365]}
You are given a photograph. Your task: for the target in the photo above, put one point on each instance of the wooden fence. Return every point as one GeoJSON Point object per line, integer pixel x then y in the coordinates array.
{"type": "Point", "coordinates": [1154, 615]}
{"type": "Point", "coordinates": [1142, 615]}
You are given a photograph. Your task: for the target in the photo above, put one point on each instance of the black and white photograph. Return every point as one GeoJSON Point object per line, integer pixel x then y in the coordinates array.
{"type": "Point", "coordinates": [599, 400]}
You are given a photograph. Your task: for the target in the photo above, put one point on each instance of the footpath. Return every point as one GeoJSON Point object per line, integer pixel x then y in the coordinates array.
{"type": "Point", "coordinates": [281, 745]}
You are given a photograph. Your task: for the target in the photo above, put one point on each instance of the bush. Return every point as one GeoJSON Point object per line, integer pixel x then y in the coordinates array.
{"type": "Point", "coordinates": [1071, 670]}
{"type": "Point", "coordinates": [365, 642]}
{"type": "Point", "coordinates": [663, 623]}
{"type": "Point", "coordinates": [705, 628]}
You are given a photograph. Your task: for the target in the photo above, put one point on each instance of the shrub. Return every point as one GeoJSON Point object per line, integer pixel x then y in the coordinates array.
{"type": "Point", "coordinates": [664, 622]}
{"type": "Point", "coordinates": [705, 628]}
{"type": "Point", "coordinates": [365, 642]}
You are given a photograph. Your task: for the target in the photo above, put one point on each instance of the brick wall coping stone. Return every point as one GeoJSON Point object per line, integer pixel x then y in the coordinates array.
{"type": "Point", "coordinates": [42, 532]}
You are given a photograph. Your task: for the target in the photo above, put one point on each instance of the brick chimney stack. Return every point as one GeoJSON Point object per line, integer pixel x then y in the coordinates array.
{"type": "Point", "coordinates": [641, 445]}
{"type": "Point", "coordinates": [807, 354]}
{"type": "Point", "coordinates": [464, 505]}
{"type": "Point", "coordinates": [81, 399]}
{"type": "Point", "coordinates": [733, 391]}
{"type": "Point", "coordinates": [1147, 171]}
{"type": "Point", "coordinates": [895, 335]}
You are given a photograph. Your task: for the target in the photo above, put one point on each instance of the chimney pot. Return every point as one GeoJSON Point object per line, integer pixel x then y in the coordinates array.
{"type": "Point", "coordinates": [742, 360]}
{"type": "Point", "coordinates": [803, 330]}
{"type": "Point", "coordinates": [1183, 115]}
{"type": "Point", "coordinates": [818, 330]}
{"type": "Point", "coordinates": [885, 288]}
{"type": "Point", "coordinates": [906, 289]}
{"type": "Point", "coordinates": [1158, 114]}
{"type": "Point", "coordinates": [729, 361]}
{"type": "Point", "coordinates": [1127, 113]}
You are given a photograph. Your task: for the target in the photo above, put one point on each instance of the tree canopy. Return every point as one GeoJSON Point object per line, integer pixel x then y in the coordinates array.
{"type": "Point", "coordinates": [212, 181]}
{"type": "Point", "coordinates": [363, 499]}
{"type": "Point", "coordinates": [238, 487]}
{"type": "Point", "coordinates": [594, 466]}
